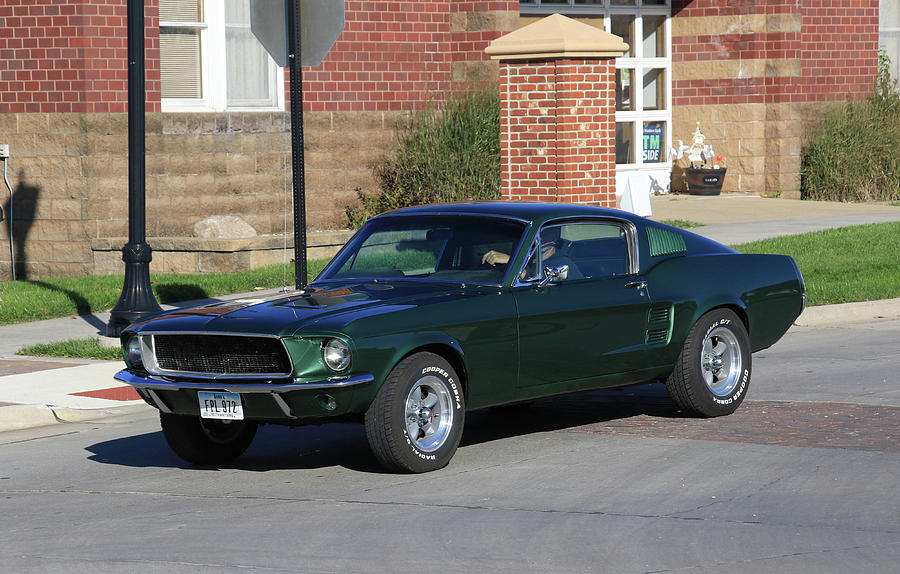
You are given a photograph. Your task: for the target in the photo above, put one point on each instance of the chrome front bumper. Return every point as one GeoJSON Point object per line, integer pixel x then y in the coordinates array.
{"type": "Point", "coordinates": [287, 398]}
{"type": "Point", "coordinates": [232, 386]}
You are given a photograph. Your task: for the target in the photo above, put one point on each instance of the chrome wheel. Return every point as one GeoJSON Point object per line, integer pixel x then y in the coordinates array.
{"type": "Point", "coordinates": [720, 361]}
{"type": "Point", "coordinates": [429, 413]}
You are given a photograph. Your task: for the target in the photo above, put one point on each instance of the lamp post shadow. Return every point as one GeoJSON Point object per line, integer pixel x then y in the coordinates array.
{"type": "Point", "coordinates": [19, 211]}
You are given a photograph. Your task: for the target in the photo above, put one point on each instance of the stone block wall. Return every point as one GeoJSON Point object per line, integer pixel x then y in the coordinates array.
{"type": "Point", "coordinates": [69, 173]}
{"type": "Point", "coordinates": [758, 74]}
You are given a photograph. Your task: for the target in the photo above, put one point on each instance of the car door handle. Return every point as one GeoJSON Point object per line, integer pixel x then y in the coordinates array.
{"type": "Point", "coordinates": [636, 285]}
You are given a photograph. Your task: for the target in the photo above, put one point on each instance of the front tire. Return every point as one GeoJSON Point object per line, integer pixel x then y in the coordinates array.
{"type": "Point", "coordinates": [204, 441]}
{"type": "Point", "coordinates": [416, 420]}
{"type": "Point", "coordinates": [712, 373]}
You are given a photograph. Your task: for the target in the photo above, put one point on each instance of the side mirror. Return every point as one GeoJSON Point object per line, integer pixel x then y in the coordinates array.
{"type": "Point", "coordinates": [550, 273]}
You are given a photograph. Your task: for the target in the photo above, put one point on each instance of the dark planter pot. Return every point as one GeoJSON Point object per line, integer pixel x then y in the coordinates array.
{"type": "Point", "coordinates": [704, 181]}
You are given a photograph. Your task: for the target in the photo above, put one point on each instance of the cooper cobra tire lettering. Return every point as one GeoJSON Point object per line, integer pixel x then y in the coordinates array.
{"type": "Point", "coordinates": [416, 420]}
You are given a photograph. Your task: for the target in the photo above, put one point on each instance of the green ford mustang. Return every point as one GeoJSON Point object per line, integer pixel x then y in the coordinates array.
{"type": "Point", "coordinates": [428, 312]}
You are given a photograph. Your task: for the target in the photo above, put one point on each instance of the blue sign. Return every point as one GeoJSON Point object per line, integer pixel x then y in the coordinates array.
{"type": "Point", "coordinates": [652, 143]}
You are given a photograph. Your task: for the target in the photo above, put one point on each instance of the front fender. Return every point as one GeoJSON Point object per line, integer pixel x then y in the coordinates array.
{"type": "Point", "coordinates": [379, 355]}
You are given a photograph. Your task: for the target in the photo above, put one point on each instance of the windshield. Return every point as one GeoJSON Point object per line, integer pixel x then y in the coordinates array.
{"type": "Point", "coordinates": [455, 248]}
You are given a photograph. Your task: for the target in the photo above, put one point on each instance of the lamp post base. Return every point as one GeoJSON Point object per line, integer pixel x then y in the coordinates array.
{"type": "Point", "coordinates": [137, 300]}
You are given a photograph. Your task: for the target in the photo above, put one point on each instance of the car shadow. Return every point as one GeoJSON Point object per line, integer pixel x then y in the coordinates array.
{"type": "Point", "coordinates": [344, 444]}
{"type": "Point", "coordinates": [568, 412]}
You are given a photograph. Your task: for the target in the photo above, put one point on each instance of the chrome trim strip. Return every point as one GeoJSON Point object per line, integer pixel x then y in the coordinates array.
{"type": "Point", "coordinates": [150, 383]}
{"type": "Point", "coordinates": [450, 214]}
{"type": "Point", "coordinates": [148, 352]}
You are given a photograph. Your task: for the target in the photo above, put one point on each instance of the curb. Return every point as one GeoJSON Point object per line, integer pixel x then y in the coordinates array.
{"type": "Point", "coordinates": [846, 313]}
{"type": "Point", "coordinates": [21, 417]}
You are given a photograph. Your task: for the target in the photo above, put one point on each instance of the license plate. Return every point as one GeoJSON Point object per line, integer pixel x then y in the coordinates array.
{"type": "Point", "coordinates": [220, 406]}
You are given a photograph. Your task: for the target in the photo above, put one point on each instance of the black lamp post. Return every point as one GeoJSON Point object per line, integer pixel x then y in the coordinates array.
{"type": "Point", "coordinates": [137, 298]}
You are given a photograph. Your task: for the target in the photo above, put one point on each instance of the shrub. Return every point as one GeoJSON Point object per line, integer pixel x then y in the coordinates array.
{"type": "Point", "coordinates": [451, 154]}
{"type": "Point", "coordinates": [852, 155]}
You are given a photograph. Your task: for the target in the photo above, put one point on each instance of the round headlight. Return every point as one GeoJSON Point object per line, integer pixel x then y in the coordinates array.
{"type": "Point", "coordinates": [133, 351]}
{"type": "Point", "coordinates": [336, 354]}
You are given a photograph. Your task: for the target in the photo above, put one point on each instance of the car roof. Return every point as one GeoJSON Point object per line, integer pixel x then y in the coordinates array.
{"type": "Point", "coordinates": [530, 211]}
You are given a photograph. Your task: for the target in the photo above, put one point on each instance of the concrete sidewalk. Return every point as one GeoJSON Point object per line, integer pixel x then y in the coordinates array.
{"type": "Point", "coordinates": [42, 391]}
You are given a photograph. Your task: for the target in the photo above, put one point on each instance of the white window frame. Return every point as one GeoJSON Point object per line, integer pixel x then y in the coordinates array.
{"type": "Point", "coordinates": [894, 28]}
{"type": "Point", "coordinates": [637, 62]}
{"type": "Point", "coordinates": [212, 67]}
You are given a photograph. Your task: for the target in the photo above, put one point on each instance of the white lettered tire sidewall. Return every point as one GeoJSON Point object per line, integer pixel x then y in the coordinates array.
{"type": "Point", "coordinates": [693, 386]}
{"type": "Point", "coordinates": [422, 395]}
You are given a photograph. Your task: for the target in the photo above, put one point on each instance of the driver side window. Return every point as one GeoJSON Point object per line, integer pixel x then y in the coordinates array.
{"type": "Point", "coordinates": [588, 249]}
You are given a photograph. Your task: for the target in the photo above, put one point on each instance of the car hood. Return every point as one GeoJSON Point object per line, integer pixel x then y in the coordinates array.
{"type": "Point", "coordinates": [286, 313]}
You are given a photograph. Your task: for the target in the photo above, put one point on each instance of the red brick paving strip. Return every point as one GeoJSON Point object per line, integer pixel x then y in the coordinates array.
{"type": "Point", "coordinates": [111, 394]}
{"type": "Point", "coordinates": [835, 425]}
{"type": "Point", "coordinates": [18, 367]}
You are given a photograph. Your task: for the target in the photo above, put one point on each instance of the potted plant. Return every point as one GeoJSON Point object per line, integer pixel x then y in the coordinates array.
{"type": "Point", "coordinates": [704, 170]}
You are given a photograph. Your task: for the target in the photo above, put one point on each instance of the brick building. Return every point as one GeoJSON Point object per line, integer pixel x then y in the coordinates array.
{"type": "Point", "coordinates": [752, 71]}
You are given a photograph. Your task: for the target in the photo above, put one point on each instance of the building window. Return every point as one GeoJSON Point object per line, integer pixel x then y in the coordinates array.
{"type": "Point", "coordinates": [643, 73]}
{"type": "Point", "coordinates": [889, 33]}
{"type": "Point", "coordinates": [210, 61]}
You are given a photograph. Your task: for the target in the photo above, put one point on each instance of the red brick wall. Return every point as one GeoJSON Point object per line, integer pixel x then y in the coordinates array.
{"type": "Point", "coordinates": [70, 56]}
{"type": "Point", "coordinates": [557, 131]}
{"type": "Point", "coordinates": [395, 55]}
{"type": "Point", "coordinates": [390, 56]}
{"type": "Point", "coordinates": [836, 46]}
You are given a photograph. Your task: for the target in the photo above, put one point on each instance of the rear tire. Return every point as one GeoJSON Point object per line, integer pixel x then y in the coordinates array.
{"type": "Point", "coordinates": [204, 441]}
{"type": "Point", "coordinates": [416, 420]}
{"type": "Point", "coordinates": [712, 374]}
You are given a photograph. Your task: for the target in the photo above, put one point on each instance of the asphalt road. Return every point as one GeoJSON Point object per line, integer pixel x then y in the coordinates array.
{"type": "Point", "coordinates": [803, 478]}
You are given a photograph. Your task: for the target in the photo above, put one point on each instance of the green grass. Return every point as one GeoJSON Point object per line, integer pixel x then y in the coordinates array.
{"type": "Point", "coordinates": [22, 301]}
{"type": "Point", "coordinates": [81, 348]}
{"type": "Point", "coordinates": [682, 223]}
{"type": "Point", "coordinates": [843, 265]}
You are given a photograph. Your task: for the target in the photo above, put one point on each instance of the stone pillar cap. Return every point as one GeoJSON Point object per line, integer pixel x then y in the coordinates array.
{"type": "Point", "coordinates": [556, 36]}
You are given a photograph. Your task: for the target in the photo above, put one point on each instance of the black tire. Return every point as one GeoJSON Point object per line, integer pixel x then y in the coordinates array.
{"type": "Point", "coordinates": [204, 441]}
{"type": "Point", "coordinates": [712, 374]}
{"type": "Point", "coordinates": [416, 420]}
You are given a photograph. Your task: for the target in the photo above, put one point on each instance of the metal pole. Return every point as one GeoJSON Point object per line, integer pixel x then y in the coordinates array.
{"type": "Point", "coordinates": [137, 298]}
{"type": "Point", "coordinates": [299, 180]}
{"type": "Point", "coordinates": [12, 249]}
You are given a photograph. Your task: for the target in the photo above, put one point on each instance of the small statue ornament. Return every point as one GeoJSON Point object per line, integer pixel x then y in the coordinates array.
{"type": "Point", "coordinates": [699, 139]}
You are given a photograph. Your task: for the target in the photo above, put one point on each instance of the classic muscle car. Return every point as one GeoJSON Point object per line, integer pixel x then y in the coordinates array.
{"type": "Point", "coordinates": [431, 311]}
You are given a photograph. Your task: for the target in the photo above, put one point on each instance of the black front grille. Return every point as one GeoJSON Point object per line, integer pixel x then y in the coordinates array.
{"type": "Point", "coordinates": [221, 354]}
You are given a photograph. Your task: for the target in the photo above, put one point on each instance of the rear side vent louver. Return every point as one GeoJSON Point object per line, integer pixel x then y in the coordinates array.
{"type": "Point", "coordinates": [665, 242]}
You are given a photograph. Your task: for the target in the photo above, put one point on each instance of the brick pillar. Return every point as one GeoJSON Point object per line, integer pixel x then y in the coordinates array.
{"type": "Point", "coordinates": [558, 112]}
